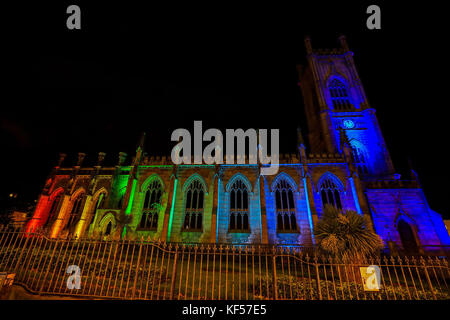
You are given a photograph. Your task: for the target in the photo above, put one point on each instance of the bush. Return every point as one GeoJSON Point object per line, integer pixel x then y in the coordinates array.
{"type": "Point", "coordinates": [345, 234]}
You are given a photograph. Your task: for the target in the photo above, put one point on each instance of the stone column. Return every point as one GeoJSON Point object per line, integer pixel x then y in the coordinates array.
{"type": "Point", "coordinates": [101, 157]}
{"type": "Point", "coordinates": [165, 236]}
{"type": "Point", "coordinates": [328, 131]}
{"type": "Point", "coordinates": [81, 157]}
{"type": "Point", "coordinates": [311, 203]}
{"type": "Point", "coordinates": [81, 225]}
{"type": "Point", "coordinates": [39, 214]}
{"type": "Point", "coordinates": [59, 222]}
{"type": "Point", "coordinates": [362, 200]}
{"type": "Point", "coordinates": [215, 190]}
{"type": "Point", "coordinates": [262, 195]}
{"type": "Point", "coordinates": [62, 156]}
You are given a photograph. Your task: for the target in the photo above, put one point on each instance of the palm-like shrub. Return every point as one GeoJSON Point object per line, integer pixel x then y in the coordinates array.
{"type": "Point", "coordinates": [345, 234]}
{"type": "Point", "coordinates": [122, 221]}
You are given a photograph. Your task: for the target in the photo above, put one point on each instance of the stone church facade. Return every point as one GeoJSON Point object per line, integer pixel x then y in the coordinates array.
{"type": "Point", "coordinates": [347, 165]}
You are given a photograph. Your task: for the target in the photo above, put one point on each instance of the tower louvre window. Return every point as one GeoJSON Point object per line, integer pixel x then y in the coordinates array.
{"type": "Point", "coordinates": [193, 218]}
{"type": "Point", "coordinates": [359, 159]}
{"type": "Point", "coordinates": [152, 201]}
{"type": "Point", "coordinates": [339, 95]}
{"type": "Point", "coordinates": [239, 208]}
{"type": "Point", "coordinates": [284, 202]}
{"type": "Point", "coordinates": [330, 194]}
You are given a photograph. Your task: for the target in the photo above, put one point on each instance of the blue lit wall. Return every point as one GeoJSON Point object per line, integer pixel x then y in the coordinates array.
{"type": "Point", "coordinates": [365, 133]}
{"type": "Point", "coordinates": [387, 209]}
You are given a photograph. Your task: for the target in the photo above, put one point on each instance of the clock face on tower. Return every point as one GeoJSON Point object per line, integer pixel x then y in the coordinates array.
{"type": "Point", "coordinates": [348, 124]}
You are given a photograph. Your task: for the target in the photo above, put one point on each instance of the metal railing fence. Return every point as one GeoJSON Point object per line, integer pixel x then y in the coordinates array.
{"type": "Point", "coordinates": [144, 269]}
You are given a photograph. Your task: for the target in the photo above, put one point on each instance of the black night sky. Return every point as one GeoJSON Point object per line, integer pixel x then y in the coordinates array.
{"type": "Point", "coordinates": [157, 68]}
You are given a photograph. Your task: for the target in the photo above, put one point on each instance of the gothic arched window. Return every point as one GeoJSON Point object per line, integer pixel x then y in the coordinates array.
{"type": "Point", "coordinates": [193, 217]}
{"type": "Point", "coordinates": [239, 207]}
{"type": "Point", "coordinates": [330, 193]}
{"type": "Point", "coordinates": [339, 95]}
{"type": "Point", "coordinates": [108, 229]}
{"type": "Point", "coordinates": [359, 159]}
{"type": "Point", "coordinates": [152, 202]}
{"type": "Point", "coordinates": [53, 209]}
{"type": "Point", "coordinates": [284, 202]}
{"type": "Point", "coordinates": [76, 211]}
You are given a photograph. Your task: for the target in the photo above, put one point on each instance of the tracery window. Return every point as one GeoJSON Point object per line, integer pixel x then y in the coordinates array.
{"type": "Point", "coordinates": [193, 217]}
{"type": "Point", "coordinates": [359, 159]}
{"type": "Point", "coordinates": [76, 211]}
{"type": "Point", "coordinates": [239, 200]}
{"type": "Point", "coordinates": [53, 209]}
{"type": "Point", "coordinates": [330, 193]}
{"type": "Point", "coordinates": [339, 95]}
{"type": "Point", "coordinates": [284, 202]}
{"type": "Point", "coordinates": [152, 202]}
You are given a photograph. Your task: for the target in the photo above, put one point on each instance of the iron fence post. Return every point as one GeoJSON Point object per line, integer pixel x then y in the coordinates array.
{"type": "Point", "coordinates": [137, 268]}
{"type": "Point", "coordinates": [174, 273]}
{"type": "Point", "coordinates": [275, 284]}
{"type": "Point", "coordinates": [422, 261]}
{"type": "Point", "coordinates": [316, 265]}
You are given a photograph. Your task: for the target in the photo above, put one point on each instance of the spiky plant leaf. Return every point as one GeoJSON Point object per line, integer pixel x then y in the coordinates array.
{"type": "Point", "coordinates": [345, 234]}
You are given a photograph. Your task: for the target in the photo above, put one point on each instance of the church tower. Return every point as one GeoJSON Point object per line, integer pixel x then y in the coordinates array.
{"type": "Point", "coordinates": [335, 101]}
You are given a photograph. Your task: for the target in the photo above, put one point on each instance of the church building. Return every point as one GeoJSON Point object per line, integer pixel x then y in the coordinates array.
{"type": "Point", "coordinates": [346, 165]}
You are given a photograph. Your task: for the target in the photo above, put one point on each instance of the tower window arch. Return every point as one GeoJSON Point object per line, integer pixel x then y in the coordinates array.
{"type": "Point", "coordinates": [359, 158]}
{"type": "Point", "coordinates": [239, 203]}
{"type": "Point", "coordinates": [193, 217]}
{"type": "Point", "coordinates": [76, 211]}
{"type": "Point", "coordinates": [330, 193]}
{"type": "Point", "coordinates": [152, 202]}
{"type": "Point", "coordinates": [339, 95]}
{"type": "Point", "coordinates": [285, 207]}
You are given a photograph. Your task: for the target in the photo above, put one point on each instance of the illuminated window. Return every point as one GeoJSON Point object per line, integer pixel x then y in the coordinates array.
{"type": "Point", "coordinates": [339, 95]}
{"type": "Point", "coordinates": [359, 159]}
{"type": "Point", "coordinates": [76, 211]}
{"type": "Point", "coordinates": [152, 203]}
{"type": "Point", "coordinates": [284, 202]}
{"type": "Point", "coordinates": [193, 218]}
{"type": "Point", "coordinates": [330, 194]}
{"type": "Point", "coordinates": [53, 209]}
{"type": "Point", "coordinates": [239, 207]}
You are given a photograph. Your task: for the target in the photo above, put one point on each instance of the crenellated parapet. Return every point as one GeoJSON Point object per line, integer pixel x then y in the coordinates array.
{"type": "Point", "coordinates": [325, 158]}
